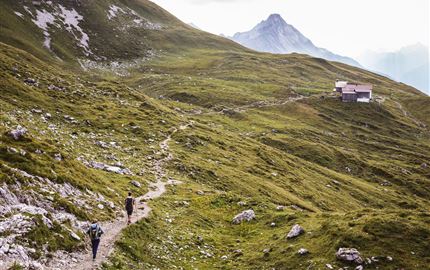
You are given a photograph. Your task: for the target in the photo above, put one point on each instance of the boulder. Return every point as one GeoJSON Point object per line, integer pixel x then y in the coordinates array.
{"type": "Point", "coordinates": [12, 150]}
{"type": "Point", "coordinates": [295, 231]}
{"type": "Point", "coordinates": [136, 184]}
{"type": "Point", "coordinates": [37, 111]}
{"type": "Point", "coordinates": [5, 248]}
{"type": "Point", "coordinates": [30, 81]}
{"type": "Point", "coordinates": [329, 266]}
{"type": "Point", "coordinates": [18, 133]}
{"type": "Point", "coordinates": [35, 266]}
{"type": "Point", "coordinates": [102, 144]}
{"type": "Point", "coordinates": [349, 255]}
{"type": "Point", "coordinates": [105, 167]}
{"type": "Point", "coordinates": [75, 236]}
{"type": "Point", "coordinates": [238, 252]}
{"type": "Point", "coordinates": [280, 208]}
{"type": "Point", "coordinates": [246, 215]}
{"type": "Point", "coordinates": [302, 251]}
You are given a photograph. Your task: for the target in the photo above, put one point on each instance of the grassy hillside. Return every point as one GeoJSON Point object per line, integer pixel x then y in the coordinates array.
{"type": "Point", "coordinates": [116, 30]}
{"type": "Point", "coordinates": [265, 131]}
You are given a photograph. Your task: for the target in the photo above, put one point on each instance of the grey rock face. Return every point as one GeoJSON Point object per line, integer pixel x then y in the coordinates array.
{"type": "Point", "coordinates": [349, 255]}
{"type": "Point", "coordinates": [246, 215]}
{"type": "Point", "coordinates": [274, 35]}
{"type": "Point", "coordinates": [295, 231]}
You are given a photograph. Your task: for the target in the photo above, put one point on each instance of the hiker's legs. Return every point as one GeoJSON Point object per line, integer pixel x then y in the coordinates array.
{"type": "Point", "coordinates": [129, 213]}
{"type": "Point", "coordinates": [95, 244]}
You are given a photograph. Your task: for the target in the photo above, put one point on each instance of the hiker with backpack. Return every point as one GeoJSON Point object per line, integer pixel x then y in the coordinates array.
{"type": "Point", "coordinates": [95, 232]}
{"type": "Point", "coordinates": [129, 207]}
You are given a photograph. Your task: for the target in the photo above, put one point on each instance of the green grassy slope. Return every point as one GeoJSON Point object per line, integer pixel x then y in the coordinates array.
{"type": "Point", "coordinates": [118, 38]}
{"type": "Point", "coordinates": [267, 131]}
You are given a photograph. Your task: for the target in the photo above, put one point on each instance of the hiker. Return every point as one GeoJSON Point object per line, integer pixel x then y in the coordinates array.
{"type": "Point", "coordinates": [129, 207]}
{"type": "Point", "coordinates": [95, 231]}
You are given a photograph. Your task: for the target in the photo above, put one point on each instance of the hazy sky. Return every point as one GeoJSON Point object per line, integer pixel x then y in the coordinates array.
{"type": "Point", "coordinates": [347, 27]}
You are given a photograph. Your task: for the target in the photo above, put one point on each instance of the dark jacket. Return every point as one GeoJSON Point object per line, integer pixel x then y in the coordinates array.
{"type": "Point", "coordinates": [95, 231]}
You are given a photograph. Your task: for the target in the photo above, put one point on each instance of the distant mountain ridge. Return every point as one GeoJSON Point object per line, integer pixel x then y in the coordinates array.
{"type": "Point", "coordinates": [409, 65]}
{"type": "Point", "coordinates": [275, 35]}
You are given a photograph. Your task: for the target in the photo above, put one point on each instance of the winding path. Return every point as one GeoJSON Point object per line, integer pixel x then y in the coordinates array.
{"type": "Point", "coordinates": [257, 104]}
{"type": "Point", "coordinates": [83, 260]}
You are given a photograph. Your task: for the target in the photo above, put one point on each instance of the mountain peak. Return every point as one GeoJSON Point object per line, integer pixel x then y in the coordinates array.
{"type": "Point", "coordinates": [275, 18]}
{"type": "Point", "coordinates": [275, 35]}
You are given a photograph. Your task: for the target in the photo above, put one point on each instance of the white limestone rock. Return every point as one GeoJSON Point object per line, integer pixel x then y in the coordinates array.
{"type": "Point", "coordinates": [246, 215]}
{"type": "Point", "coordinates": [349, 255]}
{"type": "Point", "coordinates": [295, 231]}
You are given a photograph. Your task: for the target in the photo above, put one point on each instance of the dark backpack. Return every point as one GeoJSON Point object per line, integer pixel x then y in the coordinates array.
{"type": "Point", "coordinates": [129, 204]}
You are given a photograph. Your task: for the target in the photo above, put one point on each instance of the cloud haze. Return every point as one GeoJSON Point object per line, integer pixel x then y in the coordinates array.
{"type": "Point", "coordinates": [345, 27]}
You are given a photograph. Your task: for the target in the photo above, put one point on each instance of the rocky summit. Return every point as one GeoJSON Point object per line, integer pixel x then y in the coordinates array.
{"type": "Point", "coordinates": [237, 159]}
{"type": "Point", "coordinates": [275, 35]}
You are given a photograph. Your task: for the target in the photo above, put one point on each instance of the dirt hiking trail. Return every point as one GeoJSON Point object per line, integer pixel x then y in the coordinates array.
{"type": "Point", "coordinates": [83, 260]}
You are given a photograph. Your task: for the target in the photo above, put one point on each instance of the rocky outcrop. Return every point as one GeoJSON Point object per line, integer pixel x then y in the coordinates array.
{"type": "Point", "coordinates": [105, 167]}
{"type": "Point", "coordinates": [349, 255]}
{"type": "Point", "coordinates": [18, 133]}
{"type": "Point", "coordinates": [295, 231]}
{"type": "Point", "coordinates": [22, 209]}
{"type": "Point", "coordinates": [246, 215]}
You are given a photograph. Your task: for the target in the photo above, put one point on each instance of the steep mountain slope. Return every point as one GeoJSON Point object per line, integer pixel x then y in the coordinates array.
{"type": "Point", "coordinates": [409, 65]}
{"type": "Point", "coordinates": [274, 35]}
{"type": "Point", "coordinates": [262, 131]}
{"type": "Point", "coordinates": [98, 30]}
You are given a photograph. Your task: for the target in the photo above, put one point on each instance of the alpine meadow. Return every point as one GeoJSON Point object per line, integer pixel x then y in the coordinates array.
{"type": "Point", "coordinates": [238, 159]}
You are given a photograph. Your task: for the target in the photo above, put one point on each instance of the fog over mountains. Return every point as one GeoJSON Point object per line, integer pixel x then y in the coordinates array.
{"type": "Point", "coordinates": [409, 65]}
{"type": "Point", "coordinates": [275, 35]}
